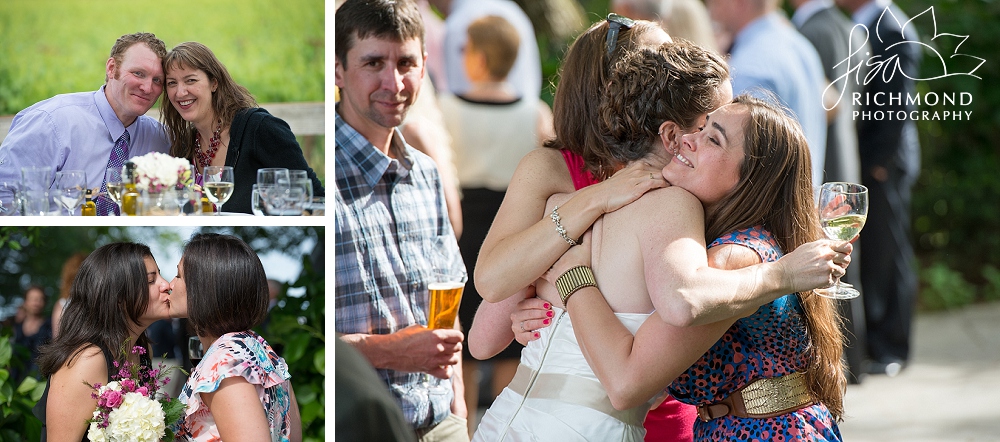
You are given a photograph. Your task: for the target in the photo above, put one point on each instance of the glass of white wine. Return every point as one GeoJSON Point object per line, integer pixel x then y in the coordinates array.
{"type": "Point", "coordinates": [218, 185]}
{"type": "Point", "coordinates": [843, 209]}
{"type": "Point", "coordinates": [113, 178]}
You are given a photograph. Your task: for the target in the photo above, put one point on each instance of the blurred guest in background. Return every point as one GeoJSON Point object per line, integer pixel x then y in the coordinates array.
{"type": "Point", "coordinates": [70, 267]}
{"type": "Point", "coordinates": [794, 73]}
{"type": "Point", "coordinates": [492, 128]}
{"type": "Point", "coordinates": [890, 163]}
{"type": "Point", "coordinates": [31, 331]}
{"type": "Point", "coordinates": [526, 74]}
{"type": "Point", "coordinates": [687, 19]}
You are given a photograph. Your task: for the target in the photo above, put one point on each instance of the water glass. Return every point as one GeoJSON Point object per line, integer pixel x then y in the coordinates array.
{"type": "Point", "coordinates": [39, 203]}
{"type": "Point", "coordinates": [271, 191]}
{"type": "Point", "coordinates": [256, 202]}
{"type": "Point", "coordinates": [36, 178]}
{"type": "Point", "coordinates": [301, 176]}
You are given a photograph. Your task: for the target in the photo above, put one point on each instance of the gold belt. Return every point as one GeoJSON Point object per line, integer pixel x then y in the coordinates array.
{"type": "Point", "coordinates": [762, 399]}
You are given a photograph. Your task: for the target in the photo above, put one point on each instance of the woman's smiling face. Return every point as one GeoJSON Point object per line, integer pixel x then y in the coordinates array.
{"type": "Point", "coordinates": [707, 164]}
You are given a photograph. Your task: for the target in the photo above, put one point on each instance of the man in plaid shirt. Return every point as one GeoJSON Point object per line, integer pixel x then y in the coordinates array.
{"type": "Point", "coordinates": [390, 212]}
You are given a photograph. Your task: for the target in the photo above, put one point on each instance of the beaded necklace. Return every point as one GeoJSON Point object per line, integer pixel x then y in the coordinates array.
{"type": "Point", "coordinates": [205, 158]}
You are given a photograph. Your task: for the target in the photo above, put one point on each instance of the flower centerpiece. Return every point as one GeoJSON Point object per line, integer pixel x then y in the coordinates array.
{"type": "Point", "coordinates": [160, 177]}
{"type": "Point", "coordinates": [131, 406]}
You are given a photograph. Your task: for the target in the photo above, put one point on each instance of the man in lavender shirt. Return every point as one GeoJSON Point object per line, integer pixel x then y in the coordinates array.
{"type": "Point", "coordinates": [78, 131]}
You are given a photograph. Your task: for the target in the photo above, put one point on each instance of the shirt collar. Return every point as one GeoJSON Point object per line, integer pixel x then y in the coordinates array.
{"type": "Point", "coordinates": [369, 160]}
{"type": "Point", "coordinates": [114, 125]}
{"type": "Point", "coordinates": [869, 12]}
{"type": "Point", "coordinates": [809, 9]}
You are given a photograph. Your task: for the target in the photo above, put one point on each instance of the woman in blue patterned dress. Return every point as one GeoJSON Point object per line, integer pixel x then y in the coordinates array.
{"type": "Point", "coordinates": [222, 289]}
{"type": "Point", "coordinates": [776, 374]}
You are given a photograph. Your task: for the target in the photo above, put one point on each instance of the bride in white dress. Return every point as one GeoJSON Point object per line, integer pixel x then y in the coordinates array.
{"type": "Point", "coordinates": [564, 400]}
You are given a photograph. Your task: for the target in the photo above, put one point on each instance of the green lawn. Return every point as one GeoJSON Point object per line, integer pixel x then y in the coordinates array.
{"type": "Point", "coordinates": [49, 47]}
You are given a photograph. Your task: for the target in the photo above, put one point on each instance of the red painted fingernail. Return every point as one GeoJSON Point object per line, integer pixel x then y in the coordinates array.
{"type": "Point", "coordinates": [537, 335]}
{"type": "Point", "coordinates": [547, 305]}
{"type": "Point", "coordinates": [546, 322]}
{"type": "Point", "coordinates": [549, 313]}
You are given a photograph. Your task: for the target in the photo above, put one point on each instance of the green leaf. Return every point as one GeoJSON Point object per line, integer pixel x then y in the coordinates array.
{"type": "Point", "coordinates": [28, 384]}
{"type": "Point", "coordinates": [319, 361]}
{"type": "Point", "coordinates": [296, 347]}
{"type": "Point", "coordinates": [6, 351]}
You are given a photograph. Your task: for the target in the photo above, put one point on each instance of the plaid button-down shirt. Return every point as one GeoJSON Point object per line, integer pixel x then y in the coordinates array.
{"type": "Point", "coordinates": [389, 212]}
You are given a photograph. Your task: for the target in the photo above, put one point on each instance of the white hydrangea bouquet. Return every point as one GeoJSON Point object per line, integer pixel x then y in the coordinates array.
{"type": "Point", "coordinates": [155, 172]}
{"type": "Point", "coordinates": [132, 408]}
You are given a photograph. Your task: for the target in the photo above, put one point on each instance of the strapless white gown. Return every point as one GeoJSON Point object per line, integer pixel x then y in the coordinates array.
{"type": "Point", "coordinates": [564, 399]}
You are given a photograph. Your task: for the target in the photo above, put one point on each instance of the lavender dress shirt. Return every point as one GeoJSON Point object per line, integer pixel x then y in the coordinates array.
{"type": "Point", "coordinates": [73, 132]}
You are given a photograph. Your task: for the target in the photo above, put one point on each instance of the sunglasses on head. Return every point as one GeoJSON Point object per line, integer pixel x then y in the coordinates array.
{"type": "Point", "coordinates": [615, 24]}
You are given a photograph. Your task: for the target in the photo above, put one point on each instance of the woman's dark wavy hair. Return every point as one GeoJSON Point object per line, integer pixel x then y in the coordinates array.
{"type": "Point", "coordinates": [109, 294]}
{"type": "Point", "coordinates": [677, 81]}
{"type": "Point", "coordinates": [583, 79]}
{"type": "Point", "coordinates": [226, 285]}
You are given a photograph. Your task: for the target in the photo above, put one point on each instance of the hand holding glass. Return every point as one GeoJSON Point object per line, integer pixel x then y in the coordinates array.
{"type": "Point", "coordinates": [843, 209]}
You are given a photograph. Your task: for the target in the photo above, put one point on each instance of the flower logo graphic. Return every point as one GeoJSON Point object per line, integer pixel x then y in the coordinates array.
{"type": "Point", "coordinates": [886, 67]}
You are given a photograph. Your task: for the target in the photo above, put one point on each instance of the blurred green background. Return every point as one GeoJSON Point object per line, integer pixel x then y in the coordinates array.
{"type": "Point", "coordinates": [274, 48]}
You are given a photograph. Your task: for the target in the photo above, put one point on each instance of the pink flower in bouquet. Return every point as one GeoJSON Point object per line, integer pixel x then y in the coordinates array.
{"type": "Point", "coordinates": [111, 398]}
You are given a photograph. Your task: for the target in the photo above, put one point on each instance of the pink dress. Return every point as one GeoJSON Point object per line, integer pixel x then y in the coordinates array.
{"type": "Point", "coordinates": [672, 421]}
{"type": "Point", "coordinates": [248, 355]}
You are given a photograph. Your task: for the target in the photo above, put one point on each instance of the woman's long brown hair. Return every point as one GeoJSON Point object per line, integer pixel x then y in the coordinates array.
{"type": "Point", "coordinates": [775, 191]}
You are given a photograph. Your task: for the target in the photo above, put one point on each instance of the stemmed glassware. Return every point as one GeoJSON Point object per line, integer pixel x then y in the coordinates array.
{"type": "Point", "coordinates": [843, 209]}
{"type": "Point", "coordinates": [272, 184]}
{"type": "Point", "coordinates": [218, 184]}
{"type": "Point", "coordinates": [113, 178]}
{"type": "Point", "coordinates": [70, 185]}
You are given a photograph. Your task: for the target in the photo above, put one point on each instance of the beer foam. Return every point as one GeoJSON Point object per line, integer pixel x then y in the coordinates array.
{"type": "Point", "coordinates": [445, 285]}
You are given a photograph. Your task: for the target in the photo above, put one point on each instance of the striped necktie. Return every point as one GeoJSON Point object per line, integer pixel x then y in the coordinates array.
{"type": "Point", "coordinates": [105, 205]}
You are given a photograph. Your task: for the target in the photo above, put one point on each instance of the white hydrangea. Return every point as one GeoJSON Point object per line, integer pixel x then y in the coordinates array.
{"type": "Point", "coordinates": [137, 419]}
{"type": "Point", "coordinates": [158, 170]}
{"type": "Point", "coordinates": [113, 385]}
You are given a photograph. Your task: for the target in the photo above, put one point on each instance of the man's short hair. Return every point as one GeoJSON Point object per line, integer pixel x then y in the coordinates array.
{"type": "Point", "coordinates": [498, 40]}
{"type": "Point", "coordinates": [126, 41]}
{"type": "Point", "coordinates": [397, 20]}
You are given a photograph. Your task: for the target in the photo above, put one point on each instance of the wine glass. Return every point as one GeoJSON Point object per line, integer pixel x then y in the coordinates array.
{"type": "Point", "coordinates": [843, 209]}
{"type": "Point", "coordinates": [218, 184]}
{"type": "Point", "coordinates": [113, 178]}
{"type": "Point", "coordinates": [70, 185]}
{"type": "Point", "coordinates": [269, 190]}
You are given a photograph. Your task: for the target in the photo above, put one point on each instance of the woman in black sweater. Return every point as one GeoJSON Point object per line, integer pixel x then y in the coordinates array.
{"type": "Point", "coordinates": [213, 121]}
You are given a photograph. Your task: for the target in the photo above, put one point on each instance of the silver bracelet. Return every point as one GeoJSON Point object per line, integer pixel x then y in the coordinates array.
{"type": "Point", "coordinates": [559, 227]}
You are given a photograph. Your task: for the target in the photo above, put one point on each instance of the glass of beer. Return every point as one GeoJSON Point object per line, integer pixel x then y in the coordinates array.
{"type": "Point", "coordinates": [446, 295]}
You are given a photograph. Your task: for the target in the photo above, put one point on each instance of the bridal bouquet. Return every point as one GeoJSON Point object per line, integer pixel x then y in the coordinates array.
{"type": "Point", "coordinates": [131, 407]}
{"type": "Point", "coordinates": [155, 172]}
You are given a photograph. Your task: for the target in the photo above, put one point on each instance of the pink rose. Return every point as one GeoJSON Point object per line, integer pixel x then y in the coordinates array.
{"type": "Point", "coordinates": [128, 385]}
{"type": "Point", "coordinates": [143, 391]}
{"type": "Point", "coordinates": [113, 398]}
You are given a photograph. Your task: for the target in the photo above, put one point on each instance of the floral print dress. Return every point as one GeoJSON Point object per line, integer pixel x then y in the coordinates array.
{"type": "Point", "coordinates": [248, 355]}
{"type": "Point", "coordinates": [772, 342]}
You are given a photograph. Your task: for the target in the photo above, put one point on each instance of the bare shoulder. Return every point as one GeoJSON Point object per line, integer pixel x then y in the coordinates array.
{"type": "Point", "coordinates": [669, 201]}
{"type": "Point", "coordinates": [732, 257]}
{"type": "Point", "coordinates": [86, 365]}
{"type": "Point", "coordinates": [545, 170]}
